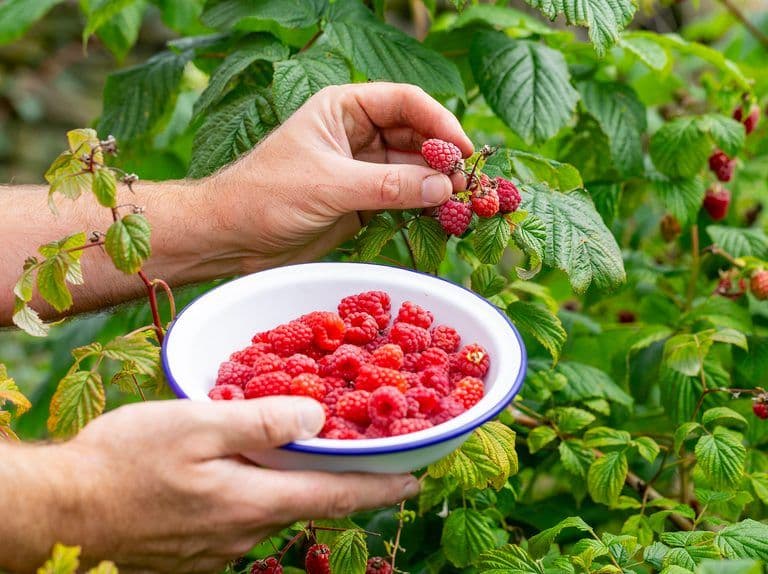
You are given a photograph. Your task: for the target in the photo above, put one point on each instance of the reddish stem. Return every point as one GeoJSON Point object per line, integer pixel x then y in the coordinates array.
{"type": "Point", "coordinates": [84, 247]}
{"type": "Point", "coordinates": [168, 293]}
{"type": "Point", "coordinates": [152, 295]}
{"type": "Point", "coordinates": [288, 546]}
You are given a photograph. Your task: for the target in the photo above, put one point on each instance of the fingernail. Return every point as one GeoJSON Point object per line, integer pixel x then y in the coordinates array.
{"type": "Point", "coordinates": [435, 189]}
{"type": "Point", "coordinates": [411, 488]}
{"type": "Point", "coordinates": [311, 418]}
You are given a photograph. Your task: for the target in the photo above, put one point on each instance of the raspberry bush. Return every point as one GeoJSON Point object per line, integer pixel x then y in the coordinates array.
{"type": "Point", "coordinates": [613, 211]}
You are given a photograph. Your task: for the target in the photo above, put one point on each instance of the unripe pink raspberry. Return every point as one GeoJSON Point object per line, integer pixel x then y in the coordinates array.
{"type": "Point", "coordinates": [750, 122]}
{"type": "Point", "coordinates": [455, 216]}
{"type": "Point", "coordinates": [509, 195]}
{"type": "Point", "coordinates": [441, 155]}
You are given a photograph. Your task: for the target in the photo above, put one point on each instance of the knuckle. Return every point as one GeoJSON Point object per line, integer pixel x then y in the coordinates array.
{"type": "Point", "coordinates": [390, 186]}
{"type": "Point", "coordinates": [270, 426]}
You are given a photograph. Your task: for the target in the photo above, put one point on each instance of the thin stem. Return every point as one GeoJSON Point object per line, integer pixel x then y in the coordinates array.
{"type": "Point", "coordinates": [288, 546]}
{"type": "Point", "coordinates": [138, 388]}
{"type": "Point", "coordinates": [396, 545]}
{"type": "Point", "coordinates": [717, 250]}
{"type": "Point", "coordinates": [731, 390]}
{"type": "Point", "coordinates": [695, 264]}
{"type": "Point", "coordinates": [335, 529]}
{"type": "Point", "coordinates": [168, 293]}
{"type": "Point", "coordinates": [152, 295]}
{"type": "Point", "coordinates": [410, 248]}
{"type": "Point", "coordinates": [746, 22]}
{"type": "Point", "coordinates": [84, 247]}
{"type": "Point", "coordinates": [311, 41]}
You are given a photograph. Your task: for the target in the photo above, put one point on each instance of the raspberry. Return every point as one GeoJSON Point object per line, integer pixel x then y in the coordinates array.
{"type": "Point", "coordinates": [509, 195]}
{"type": "Point", "coordinates": [268, 384]}
{"type": "Point", "coordinates": [361, 328]}
{"type": "Point", "coordinates": [410, 337]}
{"type": "Point", "coordinates": [436, 378]}
{"type": "Point", "coordinates": [405, 426]}
{"type": "Point", "coordinates": [344, 434]}
{"type": "Point", "coordinates": [411, 362]}
{"type": "Point", "coordinates": [725, 173]}
{"type": "Point", "coordinates": [759, 284]}
{"type": "Point", "coordinates": [750, 122]}
{"type": "Point", "coordinates": [376, 431]}
{"type": "Point", "coordinates": [433, 357]}
{"type": "Point", "coordinates": [353, 406]}
{"type": "Point", "coordinates": [327, 329]}
{"type": "Point", "coordinates": [249, 355]}
{"type": "Point", "coordinates": [297, 364]}
{"type": "Point", "coordinates": [268, 363]}
{"type": "Point", "coordinates": [760, 410]}
{"type": "Point", "coordinates": [441, 155]}
{"type": "Point", "coordinates": [446, 338]}
{"type": "Point", "coordinates": [716, 202]}
{"type": "Point", "coordinates": [411, 313]}
{"type": "Point", "coordinates": [455, 216]}
{"type": "Point", "coordinates": [427, 401]}
{"type": "Point", "coordinates": [472, 360]}
{"type": "Point", "coordinates": [291, 338]}
{"type": "Point", "coordinates": [345, 362]}
{"type": "Point", "coordinates": [372, 377]}
{"type": "Point", "coordinates": [337, 423]}
{"type": "Point", "coordinates": [317, 560]}
{"type": "Point", "coordinates": [387, 404]}
{"type": "Point", "coordinates": [231, 373]}
{"type": "Point", "coordinates": [485, 202]}
{"type": "Point", "coordinates": [469, 391]}
{"type": "Point", "coordinates": [626, 316]}
{"type": "Point", "coordinates": [226, 393]}
{"type": "Point", "coordinates": [412, 379]}
{"type": "Point", "coordinates": [375, 303]}
{"type": "Point", "coordinates": [267, 566]}
{"type": "Point", "coordinates": [726, 289]}
{"type": "Point", "coordinates": [450, 407]}
{"type": "Point", "coordinates": [380, 340]}
{"type": "Point", "coordinates": [378, 565]}
{"type": "Point", "coordinates": [389, 356]}
{"type": "Point", "coordinates": [308, 385]}
{"type": "Point", "coordinates": [718, 159]}
{"type": "Point", "coordinates": [262, 337]}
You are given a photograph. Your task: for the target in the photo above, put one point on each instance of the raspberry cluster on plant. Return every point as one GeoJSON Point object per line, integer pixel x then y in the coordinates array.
{"type": "Point", "coordinates": [374, 379]}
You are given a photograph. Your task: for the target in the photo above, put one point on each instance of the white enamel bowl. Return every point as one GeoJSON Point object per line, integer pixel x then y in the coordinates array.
{"type": "Point", "coordinates": [223, 320]}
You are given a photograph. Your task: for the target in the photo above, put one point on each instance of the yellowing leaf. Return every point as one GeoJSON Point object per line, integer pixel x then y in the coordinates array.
{"type": "Point", "coordinates": [78, 399]}
{"type": "Point", "coordinates": [9, 392]}
{"type": "Point", "coordinates": [63, 560]}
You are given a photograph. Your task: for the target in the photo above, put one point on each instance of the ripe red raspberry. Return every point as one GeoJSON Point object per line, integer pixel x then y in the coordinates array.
{"type": "Point", "coordinates": [410, 337]}
{"type": "Point", "coordinates": [331, 399]}
{"type": "Point", "coordinates": [375, 303]}
{"type": "Point", "coordinates": [509, 195]}
{"type": "Point", "coordinates": [267, 566]}
{"type": "Point", "coordinates": [718, 159]}
{"type": "Point", "coordinates": [406, 426]}
{"type": "Point", "coordinates": [226, 393]}
{"type": "Point", "coordinates": [412, 379]}
{"type": "Point", "coordinates": [485, 201]}
{"type": "Point", "coordinates": [297, 364]}
{"type": "Point", "coordinates": [261, 337]}
{"type": "Point", "coordinates": [446, 338]}
{"type": "Point", "coordinates": [433, 357]}
{"type": "Point", "coordinates": [327, 329]}
{"type": "Point", "coordinates": [759, 284]}
{"type": "Point", "coordinates": [469, 391]}
{"type": "Point", "coordinates": [371, 377]}
{"type": "Point", "coordinates": [725, 173]}
{"type": "Point", "coordinates": [308, 385]}
{"type": "Point", "coordinates": [376, 431]}
{"type": "Point", "coordinates": [291, 338]}
{"type": "Point", "coordinates": [353, 406]}
{"type": "Point", "coordinates": [378, 565]}
{"type": "Point", "coordinates": [760, 410]}
{"type": "Point", "coordinates": [380, 340]}
{"type": "Point", "coordinates": [249, 355]}
{"type": "Point", "coordinates": [726, 289]}
{"type": "Point", "coordinates": [337, 423]}
{"type": "Point", "coordinates": [389, 356]}
{"type": "Point", "coordinates": [750, 122]}
{"type": "Point", "coordinates": [716, 202]}
{"type": "Point", "coordinates": [231, 373]}
{"type": "Point", "coordinates": [345, 362]}
{"type": "Point", "coordinates": [268, 363]}
{"type": "Point", "coordinates": [344, 434]}
{"type": "Point", "coordinates": [411, 313]}
{"type": "Point", "coordinates": [317, 560]}
{"type": "Point", "coordinates": [441, 155]}
{"type": "Point", "coordinates": [436, 378]}
{"type": "Point", "coordinates": [427, 401]}
{"type": "Point", "coordinates": [268, 384]}
{"type": "Point", "coordinates": [455, 216]}
{"type": "Point", "coordinates": [450, 407]}
{"type": "Point", "coordinates": [361, 328]}
{"type": "Point", "coordinates": [411, 362]}
{"type": "Point", "coordinates": [472, 360]}
{"type": "Point", "coordinates": [387, 404]}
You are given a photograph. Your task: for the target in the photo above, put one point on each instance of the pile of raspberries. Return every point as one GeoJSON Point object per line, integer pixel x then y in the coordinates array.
{"type": "Point", "coordinates": [375, 379]}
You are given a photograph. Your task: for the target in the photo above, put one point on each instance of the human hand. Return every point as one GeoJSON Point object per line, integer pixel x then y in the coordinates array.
{"type": "Point", "coordinates": [349, 149]}
{"type": "Point", "coordinates": [159, 487]}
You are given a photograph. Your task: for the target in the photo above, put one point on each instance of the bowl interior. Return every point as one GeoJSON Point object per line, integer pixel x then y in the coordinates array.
{"type": "Point", "coordinates": [224, 320]}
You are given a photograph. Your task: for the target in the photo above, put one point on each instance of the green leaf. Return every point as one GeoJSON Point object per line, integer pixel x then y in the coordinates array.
{"type": "Point", "coordinates": [533, 168]}
{"type": "Point", "coordinates": [686, 353]}
{"type": "Point", "coordinates": [570, 420]}
{"type": "Point", "coordinates": [606, 477]}
{"type": "Point", "coordinates": [66, 176]}
{"type": "Point", "coordinates": [372, 239]}
{"type": "Point", "coordinates": [78, 399]}
{"type": "Point", "coordinates": [621, 117]}
{"type": "Point", "coordinates": [28, 320]}
{"type": "Point", "coordinates": [466, 535]}
{"type": "Point", "coordinates": [509, 559]}
{"type": "Point", "coordinates": [287, 13]}
{"type": "Point", "coordinates": [540, 322]}
{"type": "Point", "coordinates": [539, 544]}
{"type": "Point", "coordinates": [255, 47]}
{"type": "Point", "coordinates": [606, 437]}
{"type": "Point", "coordinates": [680, 393]}
{"type": "Point", "coordinates": [16, 16]}
{"type": "Point", "coordinates": [680, 148]}
{"type": "Point", "coordinates": [730, 567]}
{"type": "Point", "coordinates": [726, 132]}
{"type": "Point", "coordinates": [428, 241]}
{"type": "Point", "coordinates": [649, 52]}
{"type": "Point", "coordinates": [720, 456]}
{"type": "Point", "coordinates": [382, 52]}
{"type": "Point", "coordinates": [680, 196]}
{"type": "Point", "coordinates": [604, 18]}
{"type": "Point", "coordinates": [105, 187]}
{"type": "Point", "coordinates": [491, 238]}
{"type": "Point", "coordinates": [305, 74]}
{"type": "Point", "coordinates": [749, 242]}
{"type": "Point", "coordinates": [51, 283]}
{"type": "Point", "coordinates": [232, 128]}
{"type": "Point", "coordinates": [486, 281]}
{"type": "Point", "coordinates": [135, 99]}
{"type": "Point", "coordinates": [502, 17]}
{"type": "Point", "coordinates": [470, 466]}
{"type": "Point", "coordinates": [530, 235]}
{"type": "Point", "coordinates": [745, 539]}
{"type": "Point", "coordinates": [498, 441]}
{"type": "Point", "coordinates": [578, 242]}
{"type": "Point", "coordinates": [647, 448]}
{"type": "Point", "coordinates": [720, 312]}
{"type": "Point", "coordinates": [585, 382]}
{"type": "Point", "coordinates": [63, 560]}
{"type": "Point", "coordinates": [136, 348]}
{"type": "Point", "coordinates": [722, 416]}
{"type": "Point", "coordinates": [683, 432]}
{"type": "Point", "coordinates": [526, 83]}
{"type": "Point", "coordinates": [349, 553]}
{"type": "Point", "coordinates": [540, 437]}
{"type": "Point", "coordinates": [576, 457]}
{"type": "Point", "coordinates": [120, 32]}
{"type": "Point", "coordinates": [100, 12]}
{"type": "Point", "coordinates": [127, 242]}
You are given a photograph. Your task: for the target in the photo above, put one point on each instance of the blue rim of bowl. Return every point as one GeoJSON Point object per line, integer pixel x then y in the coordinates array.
{"type": "Point", "coordinates": [383, 449]}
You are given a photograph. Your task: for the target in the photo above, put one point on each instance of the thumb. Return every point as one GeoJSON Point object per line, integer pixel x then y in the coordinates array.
{"type": "Point", "coordinates": [241, 426]}
{"type": "Point", "coordinates": [395, 186]}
